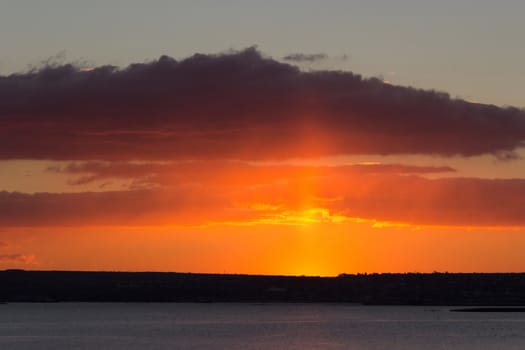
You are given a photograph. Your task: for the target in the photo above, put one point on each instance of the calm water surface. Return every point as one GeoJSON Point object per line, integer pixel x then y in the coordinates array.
{"type": "Point", "coordinates": [254, 326]}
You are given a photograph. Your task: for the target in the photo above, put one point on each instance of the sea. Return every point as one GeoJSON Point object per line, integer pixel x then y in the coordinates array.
{"type": "Point", "coordinates": [134, 326]}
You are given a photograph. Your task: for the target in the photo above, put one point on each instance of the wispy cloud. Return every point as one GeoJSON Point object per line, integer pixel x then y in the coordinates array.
{"type": "Point", "coordinates": [302, 57]}
{"type": "Point", "coordinates": [201, 193]}
{"type": "Point", "coordinates": [28, 259]}
{"type": "Point", "coordinates": [165, 174]}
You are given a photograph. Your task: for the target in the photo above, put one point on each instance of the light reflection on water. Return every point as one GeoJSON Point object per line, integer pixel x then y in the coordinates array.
{"type": "Point", "coordinates": [254, 326]}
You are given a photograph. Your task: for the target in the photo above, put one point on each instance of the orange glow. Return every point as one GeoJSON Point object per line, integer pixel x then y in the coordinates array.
{"type": "Point", "coordinates": [231, 217]}
{"type": "Point", "coordinates": [324, 249]}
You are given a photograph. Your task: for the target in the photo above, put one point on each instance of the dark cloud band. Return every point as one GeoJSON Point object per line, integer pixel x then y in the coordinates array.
{"type": "Point", "coordinates": [237, 106]}
{"type": "Point", "coordinates": [189, 199]}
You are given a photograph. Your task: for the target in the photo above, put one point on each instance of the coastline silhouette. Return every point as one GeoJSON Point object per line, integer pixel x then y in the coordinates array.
{"type": "Point", "coordinates": [460, 289]}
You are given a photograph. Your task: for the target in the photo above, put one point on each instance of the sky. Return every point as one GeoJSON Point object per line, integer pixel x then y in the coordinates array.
{"type": "Point", "coordinates": [275, 137]}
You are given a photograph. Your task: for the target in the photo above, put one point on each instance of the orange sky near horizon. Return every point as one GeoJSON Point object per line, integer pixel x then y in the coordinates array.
{"type": "Point", "coordinates": [312, 249]}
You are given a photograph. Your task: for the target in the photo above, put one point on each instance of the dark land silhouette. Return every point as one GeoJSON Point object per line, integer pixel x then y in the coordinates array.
{"type": "Point", "coordinates": [490, 309]}
{"type": "Point", "coordinates": [505, 289]}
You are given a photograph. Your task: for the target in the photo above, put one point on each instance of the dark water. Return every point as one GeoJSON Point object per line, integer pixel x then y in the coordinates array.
{"type": "Point", "coordinates": [252, 326]}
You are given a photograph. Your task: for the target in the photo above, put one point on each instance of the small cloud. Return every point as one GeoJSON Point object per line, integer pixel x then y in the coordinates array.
{"type": "Point", "coordinates": [53, 169]}
{"type": "Point", "coordinates": [28, 259]}
{"type": "Point", "coordinates": [506, 156]}
{"type": "Point", "coordinates": [57, 59]}
{"type": "Point", "coordinates": [316, 57]}
{"type": "Point", "coordinates": [301, 57]}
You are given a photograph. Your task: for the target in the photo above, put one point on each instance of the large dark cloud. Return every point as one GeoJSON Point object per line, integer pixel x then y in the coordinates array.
{"type": "Point", "coordinates": [237, 106]}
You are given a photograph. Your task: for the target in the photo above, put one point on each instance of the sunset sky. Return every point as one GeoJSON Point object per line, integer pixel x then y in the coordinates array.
{"type": "Point", "coordinates": [262, 137]}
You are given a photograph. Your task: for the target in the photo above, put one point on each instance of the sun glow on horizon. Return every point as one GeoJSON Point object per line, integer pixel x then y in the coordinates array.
{"type": "Point", "coordinates": [302, 217]}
